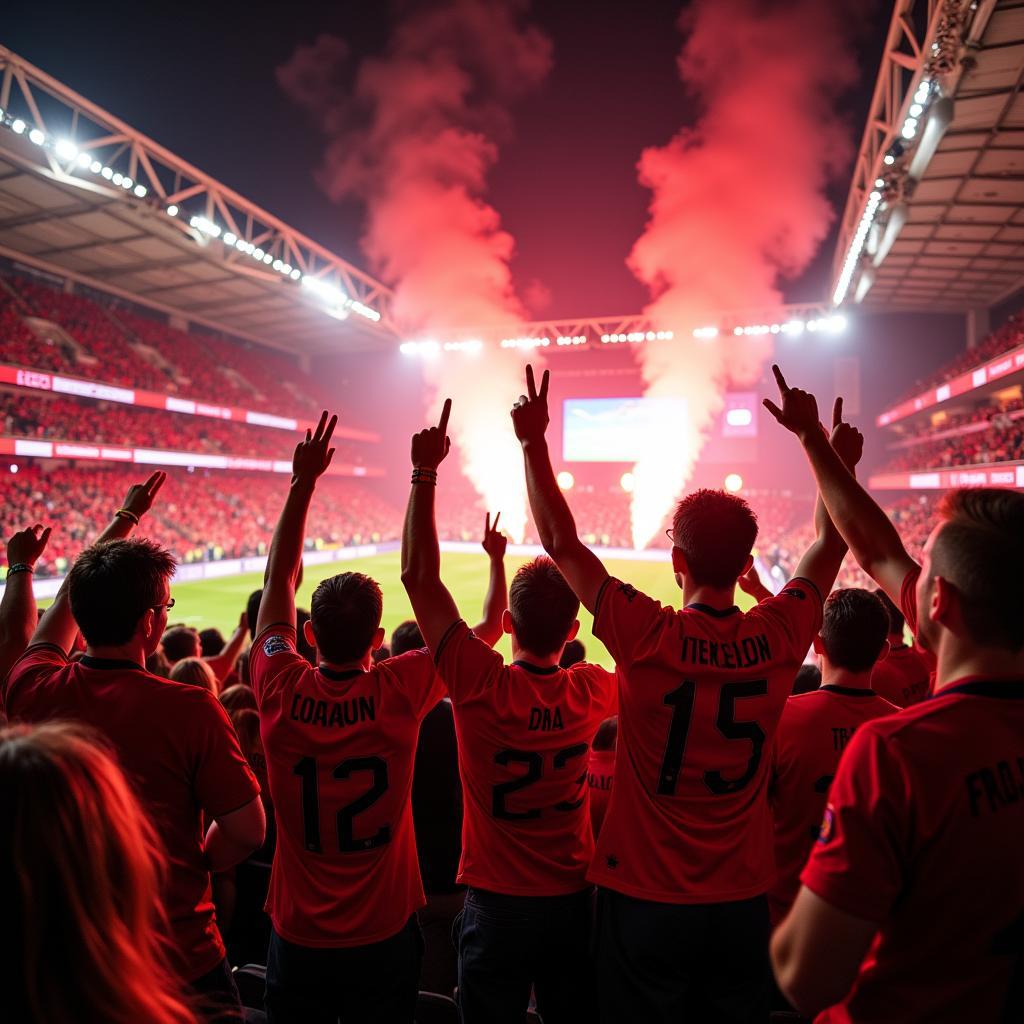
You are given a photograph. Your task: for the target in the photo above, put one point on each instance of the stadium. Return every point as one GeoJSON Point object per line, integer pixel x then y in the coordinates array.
{"type": "Point", "coordinates": [168, 342]}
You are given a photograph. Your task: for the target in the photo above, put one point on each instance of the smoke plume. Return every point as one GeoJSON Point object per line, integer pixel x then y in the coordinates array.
{"type": "Point", "coordinates": [413, 137]}
{"type": "Point", "coordinates": [738, 205]}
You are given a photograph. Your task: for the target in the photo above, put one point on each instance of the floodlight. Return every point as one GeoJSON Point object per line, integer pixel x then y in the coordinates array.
{"type": "Point", "coordinates": [84, 159]}
{"type": "Point", "coordinates": [733, 482]}
{"type": "Point", "coordinates": [36, 137]}
{"type": "Point", "coordinates": [107, 173]}
{"type": "Point", "coordinates": [140, 191]}
{"type": "Point", "coordinates": [95, 167]}
{"type": "Point", "coordinates": [172, 210]}
{"type": "Point", "coordinates": [67, 150]}
{"type": "Point", "coordinates": [627, 482]}
{"type": "Point", "coordinates": [18, 126]}
{"type": "Point", "coordinates": [565, 480]}
{"type": "Point", "coordinates": [117, 178]}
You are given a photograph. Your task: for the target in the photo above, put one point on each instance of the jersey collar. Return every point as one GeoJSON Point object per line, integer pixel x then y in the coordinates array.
{"type": "Point", "coordinates": [110, 663]}
{"type": "Point", "coordinates": [718, 613]}
{"type": "Point", "coordinates": [339, 677]}
{"type": "Point", "coordinates": [538, 670]}
{"type": "Point", "coordinates": [972, 686]}
{"type": "Point", "coordinates": [848, 691]}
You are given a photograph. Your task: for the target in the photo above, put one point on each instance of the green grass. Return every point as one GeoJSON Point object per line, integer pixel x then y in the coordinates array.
{"type": "Point", "coordinates": [219, 602]}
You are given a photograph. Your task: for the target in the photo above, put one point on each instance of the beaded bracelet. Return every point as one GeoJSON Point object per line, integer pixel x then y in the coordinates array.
{"type": "Point", "coordinates": [20, 567]}
{"type": "Point", "coordinates": [424, 475]}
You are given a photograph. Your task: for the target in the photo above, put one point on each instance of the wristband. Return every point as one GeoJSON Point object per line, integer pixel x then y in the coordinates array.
{"type": "Point", "coordinates": [424, 475]}
{"type": "Point", "coordinates": [20, 567]}
{"type": "Point", "coordinates": [127, 513]}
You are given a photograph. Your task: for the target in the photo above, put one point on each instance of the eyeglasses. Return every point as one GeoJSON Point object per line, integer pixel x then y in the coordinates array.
{"type": "Point", "coordinates": [169, 605]}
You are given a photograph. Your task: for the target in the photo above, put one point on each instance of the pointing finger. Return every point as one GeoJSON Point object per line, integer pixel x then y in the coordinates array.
{"type": "Point", "coordinates": [837, 412]}
{"type": "Point", "coordinates": [445, 413]}
{"type": "Point", "coordinates": [544, 384]}
{"type": "Point", "coordinates": [330, 429]}
{"type": "Point", "coordinates": [487, 523]}
{"type": "Point", "coordinates": [773, 409]}
{"type": "Point", "coordinates": [531, 387]}
{"type": "Point", "coordinates": [779, 379]}
{"type": "Point", "coordinates": [494, 526]}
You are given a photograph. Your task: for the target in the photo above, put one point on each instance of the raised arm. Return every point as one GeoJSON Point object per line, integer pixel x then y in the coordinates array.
{"type": "Point", "coordinates": [18, 608]}
{"type": "Point", "coordinates": [496, 601]}
{"type": "Point", "coordinates": [869, 532]}
{"type": "Point", "coordinates": [581, 568]}
{"type": "Point", "coordinates": [57, 626]}
{"type": "Point", "coordinates": [432, 603]}
{"type": "Point", "coordinates": [311, 459]}
{"type": "Point", "coordinates": [223, 663]}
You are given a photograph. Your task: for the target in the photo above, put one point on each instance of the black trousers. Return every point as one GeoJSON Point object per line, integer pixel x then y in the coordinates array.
{"type": "Point", "coordinates": [508, 944]}
{"type": "Point", "coordinates": [374, 984]}
{"type": "Point", "coordinates": [666, 963]}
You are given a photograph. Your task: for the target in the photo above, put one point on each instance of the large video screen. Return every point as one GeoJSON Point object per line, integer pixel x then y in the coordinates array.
{"type": "Point", "coordinates": [618, 429]}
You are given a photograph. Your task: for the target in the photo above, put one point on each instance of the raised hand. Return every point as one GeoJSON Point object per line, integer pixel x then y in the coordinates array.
{"type": "Point", "coordinates": [799, 412]}
{"type": "Point", "coordinates": [494, 542]}
{"type": "Point", "coordinates": [530, 413]}
{"type": "Point", "coordinates": [846, 439]}
{"type": "Point", "coordinates": [25, 547]}
{"type": "Point", "coordinates": [140, 497]}
{"type": "Point", "coordinates": [313, 456]}
{"type": "Point", "coordinates": [430, 446]}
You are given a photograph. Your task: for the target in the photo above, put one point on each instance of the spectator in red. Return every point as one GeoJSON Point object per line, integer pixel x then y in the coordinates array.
{"type": "Point", "coordinates": [903, 676]}
{"type": "Point", "coordinates": [601, 770]}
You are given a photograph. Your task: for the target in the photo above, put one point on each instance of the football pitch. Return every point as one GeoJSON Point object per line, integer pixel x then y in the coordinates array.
{"type": "Point", "coordinates": [219, 602]}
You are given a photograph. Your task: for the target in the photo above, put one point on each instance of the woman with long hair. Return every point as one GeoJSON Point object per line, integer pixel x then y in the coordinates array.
{"type": "Point", "coordinates": [80, 876]}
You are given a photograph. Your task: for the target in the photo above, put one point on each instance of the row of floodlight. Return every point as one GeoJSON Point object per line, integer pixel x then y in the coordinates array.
{"type": "Point", "coordinates": [908, 132]}
{"type": "Point", "coordinates": [829, 324]}
{"type": "Point", "coordinates": [339, 304]}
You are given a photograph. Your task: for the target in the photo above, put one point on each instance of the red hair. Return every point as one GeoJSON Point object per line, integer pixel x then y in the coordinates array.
{"type": "Point", "coordinates": [80, 869]}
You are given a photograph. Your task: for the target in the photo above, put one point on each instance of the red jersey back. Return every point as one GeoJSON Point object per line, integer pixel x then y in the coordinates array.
{"type": "Point", "coordinates": [700, 695]}
{"type": "Point", "coordinates": [600, 775]}
{"type": "Point", "coordinates": [340, 750]}
{"type": "Point", "coordinates": [813, 732]}
{"type": "Point", "coordinates": [903, 677]}
{"type": "Point", "coordinates": [923, 834]}
{"type": "Point", "coordinates": [524, 744]}
{"type": "Point", "coordinates": [178, 751]}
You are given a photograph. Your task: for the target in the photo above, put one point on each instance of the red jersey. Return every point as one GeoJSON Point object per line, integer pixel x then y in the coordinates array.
{"type": "Point", "coordinates": [340, 749]}
{"type": "Point", "coordinates": [179, 752]}
{"type": "Point", "coordinates": [524, 737]}
{"type": "Point", "coordinates": [700, 695]}
{"type": "Point", "coordinates": [903, 677]}
{"type": "Point", "coordinates": [814, 730]}
{"type": "Point", "coordinates": [923, 834]}
{"type": "Point", "coordinates": [600, 774]}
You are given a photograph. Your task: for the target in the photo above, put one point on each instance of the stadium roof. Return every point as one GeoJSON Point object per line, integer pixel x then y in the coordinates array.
{"type": "Point", "coordinates": [935, 216]}
{"type": "Point", "coordinates": [85, 196]}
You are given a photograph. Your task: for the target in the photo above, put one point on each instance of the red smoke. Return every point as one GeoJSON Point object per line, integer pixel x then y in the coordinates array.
{"type": "Point", "coordinates": [414, 139]}
{"type": "Point", "coordinates": [738, 204]}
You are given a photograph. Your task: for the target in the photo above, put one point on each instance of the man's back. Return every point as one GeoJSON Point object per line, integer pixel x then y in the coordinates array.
{"type": "Point", "coordinates": [923, 833]}
{"type": "Point", "coordinates": [701, 692]}
{"type": "Point", "coordinates": [524, 743]}
{"type": "Point", "coordinates": [813, 733]}
{"type": "Point", "coordinates": [903, 677]}
{"type": "Point", "coordinates": [175, 744]}
{"type": "Point", "coordinates": [340, 750]}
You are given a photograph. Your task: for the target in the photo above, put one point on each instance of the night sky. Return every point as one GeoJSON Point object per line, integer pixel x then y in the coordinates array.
{"type": "Point", "coordinates": [201, 82]}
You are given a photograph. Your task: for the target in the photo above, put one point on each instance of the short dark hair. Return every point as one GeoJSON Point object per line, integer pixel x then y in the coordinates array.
{"type": "Point", "coordinates": [715, 532]}
{"type": "Point", "coordinates": [112, 585]}
{"type": "Point", "coordinates": [896, 618]}
{"type": "Point", "coordinates": [406, 637]}
{"type": "Point", "coordinates": [542, 605]}
{"type": "Point", "coordinates": [853, 629]}
{"type": "Point", "coordinates": [808, 678]}
{"type": "Point", "coordinates": [979, 550]}
{"type": "Point", "coordinates": [345, 613]}
{"type": "Point", "coordinates": [573, 653]}
{"type": "Point", "coordinates": [381, 653]}
{"type": "Point", "coordinates": [211, 642]}
{"type": "Point", "coordinates": [607, 734]}
{"type": "Point", "coordinates": [180, 642]}
{"type": "Point", "coordinates": [252, 610]}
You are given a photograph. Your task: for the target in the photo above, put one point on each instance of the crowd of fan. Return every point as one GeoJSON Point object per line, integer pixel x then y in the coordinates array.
{"type": "Point", "coordinates": [1001, 441]}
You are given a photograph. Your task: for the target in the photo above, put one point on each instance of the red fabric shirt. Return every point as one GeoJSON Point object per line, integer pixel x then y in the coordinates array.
{"type": "Point", "coordinates": [700, 695]}
{"type": "Point", "coordinates": [813, 732]}
{"type": "Point", "coordinates": [903, 677]}
{"type": "Point", "coordinates": [600, 775]}
{"type": "Point", "coordinates": [923, 833]}
{"type": "Point", "coordinates": [524, 737]}
{"type": "Point", "coordinates": [340, 750]}
{"type": "Point", "coordinates": [178, 750]}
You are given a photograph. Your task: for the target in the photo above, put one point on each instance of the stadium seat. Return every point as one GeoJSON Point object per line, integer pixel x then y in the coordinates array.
{"type": "Point", "coordinates": [252, 983]}
{"type": "Point", "coordinates": [432, 1008]}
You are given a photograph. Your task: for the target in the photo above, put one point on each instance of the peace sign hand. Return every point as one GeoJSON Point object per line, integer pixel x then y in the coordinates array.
{"type": "Point", "coordinates": [799, 412]}
{"type": "Point", "coordinates": [530, 413]}
{"type": "Point", "coordinates": [430, 446]}
{"type": "Point", "coordinates": [494, 542]}
{"type": "Point", "coordinates": [312, 456]}
{"type": "Point", "coordinates": [140, 497]}
{"type": "Point", "coordinates": [846, 439]}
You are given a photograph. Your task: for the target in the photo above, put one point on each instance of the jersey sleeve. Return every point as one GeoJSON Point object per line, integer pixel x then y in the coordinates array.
{"type": "Point", "coordinates": [38, 661]}
{"type": "Point", "coordinates": [272, 655]}
{"type": "Point", "coordinates": [466, 664]}
{"type": "Point", "coordinates": [627, 622]}
{"type": "Point", "coordinates": [604, 687]}
{"type": "Point", "coordinates": [857, 861]}
{"type": "Point", "coordinates": [222, 778]}
{"type": "Point", "coordinates": [414, 675]}
{"type": "Point", "coordinates": [908, 598]}
{"type": "Point", "coordinates": [792, 617]}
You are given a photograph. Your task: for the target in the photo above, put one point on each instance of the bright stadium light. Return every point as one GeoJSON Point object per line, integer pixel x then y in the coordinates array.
{"type": "Point", "coordinates": [566, 480]}
{"type": "Point", "coordinates": [18, 126]}
{"type": "Point", "coordinates": [36, 137]}
{"type": "Point", "coordinates": [295, 275]}
{"type": "Point", "coordinates": [14, 467]}
{"type": "Point", "coordinates": [95, 167]}
{"type": "Point", "coordinates": [66, 150]}
{"type": "Point", "coordinates": [888, 159]}
{"type": "Point", "coordinates": [172, 210]}
{"type": "Point", "coordinates": [140, 191]}
{"type": "Point", "coordinates": [733, 482]}
{"type": "Point", "coordinates": [705, 333]}
{"type": "Point", "coordinates": [107, 172]}
{"type": "Point", "coordinates": [229, 238]}
{"type": "Point", "coordinates": [627, 482]}
{"type": "Point", "coordinates": [117, 178]}
{"type": "Point", "coordinates": [84, 160]}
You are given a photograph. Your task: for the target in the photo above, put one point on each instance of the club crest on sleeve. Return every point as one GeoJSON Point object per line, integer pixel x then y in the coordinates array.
{"type": "Point", "coordinates": [828, 824]}
{"type": "Point", "coordinates": [274, 645]}
{"type": "Point", "coordinates": [796, 592]}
